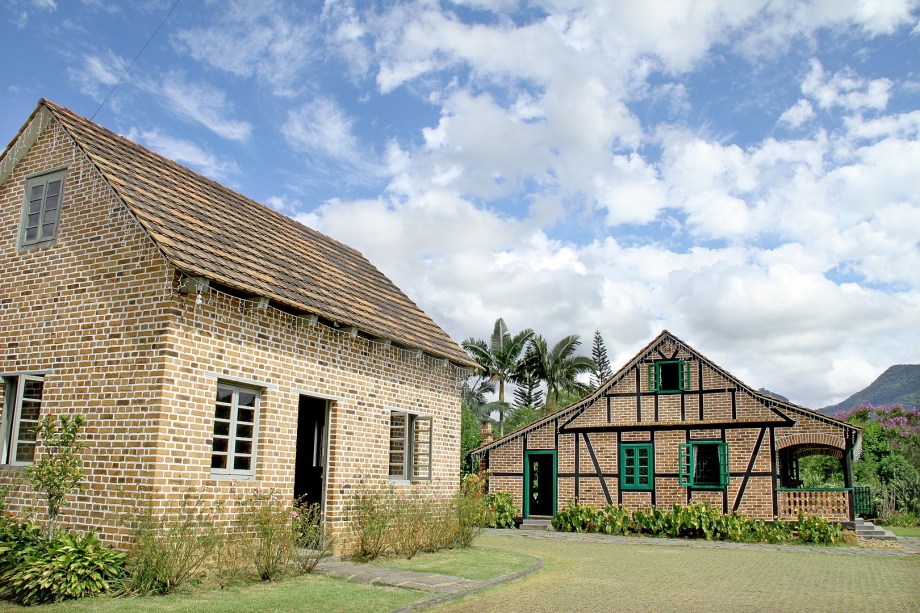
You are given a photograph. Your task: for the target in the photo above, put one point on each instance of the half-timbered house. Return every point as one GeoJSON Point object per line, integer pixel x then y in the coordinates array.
{"type": "Point", "coordinates": [673, 427]}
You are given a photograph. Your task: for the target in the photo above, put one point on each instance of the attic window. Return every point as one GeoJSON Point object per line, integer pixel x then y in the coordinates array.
{"type": "Point", "coordinates": [42, 208]}
{"type": "Point", "coordinates": [668, 376]}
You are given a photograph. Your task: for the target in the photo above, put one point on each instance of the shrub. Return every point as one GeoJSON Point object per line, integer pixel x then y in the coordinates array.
{"type": "Point", "coordinates": [817, 531]}
{"type": "Point", "coordinates": [389, 522]}
{"type": "Point", "coordinates": [699, 520]}
{"type": "Point", "coordinates": [904, 519]}
{"type": "Point", "coordinates": [501, 511]}
{"type": "Point", "coordinates": [269, 522]}
{"type": "Point", "coordinates": [472, 509]}
{"type": "Point", "coordinates": [37, 570]}
{"type": "Point", "coordinates": [312, 540]}
{"type": "Point", "coordinates": [170, 545]}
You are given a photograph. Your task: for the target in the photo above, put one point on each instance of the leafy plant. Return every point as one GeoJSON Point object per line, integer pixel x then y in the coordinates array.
{"type": "Point", "coordinates": [816, 530]}
{"type": "Point", "coordinates": [37, 570]}
{"type": "Point", "coordinates": [501, 510]}
{"type": "Point", "coordinates": [171, 545]}
{"type": "Point", "coordinates": [57, 472]}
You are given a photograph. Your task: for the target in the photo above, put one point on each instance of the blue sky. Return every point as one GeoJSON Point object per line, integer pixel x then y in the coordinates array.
{"type": "Point", "coordinates": [741, 172]}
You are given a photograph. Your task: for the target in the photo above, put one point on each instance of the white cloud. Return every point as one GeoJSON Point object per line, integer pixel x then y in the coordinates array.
{"type": "Point", "coordinates": [845, 89]}
{"type": "Point", "coordinates": [98, 74]}
{"type": "Point", "coordinates": [264, 40]}
{"type": "Point", "coordinates": [326, 133]}
{"type": "Point", "coordinates": [797, 114]}
{"type": "Point", "coordinates": [188, 153]}
{"type": "Point", "coordinates": [201, 103]}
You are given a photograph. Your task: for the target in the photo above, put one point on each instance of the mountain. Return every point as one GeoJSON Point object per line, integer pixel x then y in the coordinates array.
{"type": "Point", "coordinates": [899, 384]}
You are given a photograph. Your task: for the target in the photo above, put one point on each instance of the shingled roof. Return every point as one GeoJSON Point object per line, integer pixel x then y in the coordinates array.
{"type": "Point", "coordinates": [206, 229]}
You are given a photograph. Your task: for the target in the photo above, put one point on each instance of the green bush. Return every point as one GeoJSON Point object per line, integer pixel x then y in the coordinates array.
{"type": "Point", "coordinates": [904, 519]}
{"type": "Point", "coordinates": [267, 521]}
{"type": "Point", "coordinates": [472, 510]}
{"type": "Point", "coordinates": [501, 511]}
{"type": "Point", "coordinates": [36, 570]}
{"type": "Point", "coordinates": [698, 520]}
{"type": "Point", "coordinates": [817, 531]}
{"type": "Point", "coordinates": [387, 521]}
{"type": "Point", "coordinates": [312, 540]}
{"type": "Point", "coordinates": [577, 517]}
{"type": "Point", "coordinates": [171, 545]}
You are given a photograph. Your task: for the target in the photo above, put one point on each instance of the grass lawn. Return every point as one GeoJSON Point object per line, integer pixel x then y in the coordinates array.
{"type": "Point", "coordinates": [609, 576]}
{"type": "Point", "coordinates": [307, 593]}
{"type": "Point", "coordinates": [915, 531]}
{"type": "Point", "coordinates": [471, 563]}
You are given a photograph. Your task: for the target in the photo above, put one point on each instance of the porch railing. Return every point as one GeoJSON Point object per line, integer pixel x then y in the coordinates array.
{"type": "Point", "coordinates": [829, 503]}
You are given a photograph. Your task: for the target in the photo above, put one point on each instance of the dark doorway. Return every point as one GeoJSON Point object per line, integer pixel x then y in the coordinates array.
{"type": "Point", "coordinates": [540, 488]}
{"type": "Point", "coordinates": [309, 467]}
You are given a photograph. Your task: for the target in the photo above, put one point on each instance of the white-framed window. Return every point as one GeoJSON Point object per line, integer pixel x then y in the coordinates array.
{"type": "Point", "coordinates": [42, 208]}
{"type": "Point", "coordinates": [236, 415]}
{"type": "Point", "coordinates": [410, 446]}
{"type": "Point", "coordinates": [21, 410]}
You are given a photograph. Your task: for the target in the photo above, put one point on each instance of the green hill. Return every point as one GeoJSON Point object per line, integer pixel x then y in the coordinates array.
{"type": "Point", "coordinates": [899, 384]}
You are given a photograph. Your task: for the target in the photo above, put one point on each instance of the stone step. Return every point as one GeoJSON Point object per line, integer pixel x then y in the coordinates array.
{"type": "Point", "coordinates": [868, 530]}
{"type": "Point", "coordinates": [536, 523]}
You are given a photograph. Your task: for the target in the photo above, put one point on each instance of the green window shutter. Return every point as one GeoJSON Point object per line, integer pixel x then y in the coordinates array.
{"type": "Point", "coordinates": [652, 379]}
{"type": "Point", "coordinates": [723, 464]}
{"type": "Point", "coordinates": [685, 464]}
{"type": "Point", "coordinates": [684, 375]}
{"type": "Point", "coordinates": [637, 466]}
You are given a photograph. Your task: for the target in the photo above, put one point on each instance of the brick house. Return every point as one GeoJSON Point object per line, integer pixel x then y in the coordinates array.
{"type": "Point", "coordinates": [673, 427]}
{"type": "Point", "coordinates": [207, 339]}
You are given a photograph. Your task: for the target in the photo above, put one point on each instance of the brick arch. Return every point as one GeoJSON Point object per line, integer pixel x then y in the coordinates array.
{"type": "Point", "coordinates": [811, 438]}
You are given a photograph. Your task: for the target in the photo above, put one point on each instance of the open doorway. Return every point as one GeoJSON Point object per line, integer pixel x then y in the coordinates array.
{"type": "Point", "coordinates": [312, 444]}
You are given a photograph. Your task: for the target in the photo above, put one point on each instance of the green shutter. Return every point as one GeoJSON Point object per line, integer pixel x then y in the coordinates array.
{"type": "Point", "coordinates": [652, 379]}
{"type": "Point", "coordinates": [684, 375]}
{"type": "Point", "coordinates": [723, 464]}
{"type": "Point", "coordinates": [685, 464]}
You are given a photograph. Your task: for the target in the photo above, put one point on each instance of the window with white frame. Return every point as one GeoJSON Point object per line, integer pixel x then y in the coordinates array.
{"type": "Point", "coordinates": [233, 447]}
{"type": "Point", "coordinates": [42, 208]}
{"type": "Point", "coordinates": [410, 447]}
{"type": "Point", "coordinates": [21, 409]}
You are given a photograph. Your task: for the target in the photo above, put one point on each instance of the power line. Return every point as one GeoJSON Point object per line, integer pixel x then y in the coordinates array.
{"type": "Point", "coordinates": [128, 69]}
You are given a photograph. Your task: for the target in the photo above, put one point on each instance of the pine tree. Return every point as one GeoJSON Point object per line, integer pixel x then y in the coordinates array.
{"type": "Point", "coordinates": [599, 353]}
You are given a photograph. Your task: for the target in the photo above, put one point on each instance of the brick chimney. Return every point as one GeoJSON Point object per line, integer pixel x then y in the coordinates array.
{"type": "Point", "coordinates": [486, 431]}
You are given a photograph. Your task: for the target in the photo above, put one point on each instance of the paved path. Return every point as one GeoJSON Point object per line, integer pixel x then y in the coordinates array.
{"type": "Point", "coordinates": [448, 587]}
{"type": "Point", "coordinates": [445, 587]}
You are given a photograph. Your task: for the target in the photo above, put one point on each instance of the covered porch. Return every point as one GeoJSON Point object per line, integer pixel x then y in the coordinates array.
{"type": "Point", "coordinates": [796, 494]}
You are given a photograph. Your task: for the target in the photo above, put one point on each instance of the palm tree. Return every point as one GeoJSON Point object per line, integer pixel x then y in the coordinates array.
{"type": "Point", "coordinates": [499, 358]}
{"type": "Point", "coordinates": [558, 366]}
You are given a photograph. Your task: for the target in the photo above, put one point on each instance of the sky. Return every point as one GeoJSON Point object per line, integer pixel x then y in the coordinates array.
{"type": "Point", "coordinates": [743, 173]}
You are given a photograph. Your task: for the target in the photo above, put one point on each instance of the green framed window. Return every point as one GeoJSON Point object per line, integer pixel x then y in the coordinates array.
{"type": "Point", "coordinates": [637, 466]}
{"type": "Point", "coordinates": [42, 208]}
{"type": "Point", "coordinates": [669, 376]}
{"type": "Point", "coordinates": [703, 464]}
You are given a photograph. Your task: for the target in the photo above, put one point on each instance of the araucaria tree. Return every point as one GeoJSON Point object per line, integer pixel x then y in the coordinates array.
{"type": "Point", "coordinates": [558, 366]}
{"type": "Point", "coordinates": [499, 358]}
{"type": "Point", "coordinates": [602, 372]}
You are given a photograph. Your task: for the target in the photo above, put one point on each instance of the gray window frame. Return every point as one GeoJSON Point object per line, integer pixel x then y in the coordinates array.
{"type": "Point", "coordinates": [44, 177]}
{"type": "Point", "coordinates": [231, 437]}
{"type": "Point", "coordinates": [417, 446]}
{"type": "Point", "coordinates": [11, 421]}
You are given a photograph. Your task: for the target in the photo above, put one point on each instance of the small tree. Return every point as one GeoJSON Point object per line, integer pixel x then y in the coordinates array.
{"type": "Point", "coordinates": [57, 472]}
